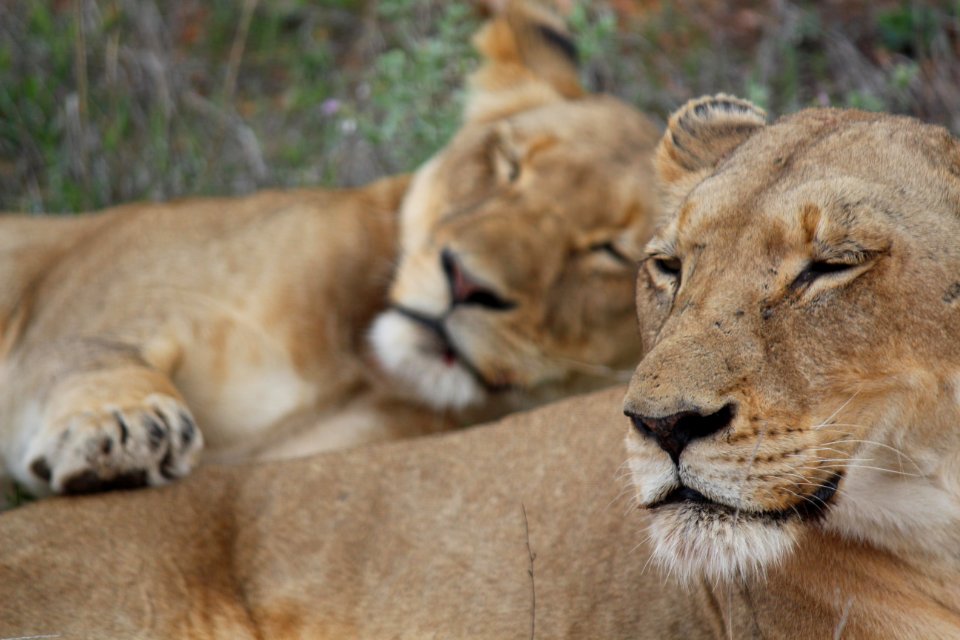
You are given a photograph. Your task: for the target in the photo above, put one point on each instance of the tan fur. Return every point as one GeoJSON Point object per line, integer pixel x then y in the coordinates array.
{"type": "Point", "coordinates": [431, 537]}
{"type": "Point", "coordinates": [526, 528]}
{"type": "Point", "coordinates": [251, 315]}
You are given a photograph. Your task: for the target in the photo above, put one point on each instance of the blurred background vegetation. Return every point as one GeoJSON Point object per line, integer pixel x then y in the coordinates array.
{"type": "Point", "coordinates": [104, 101]}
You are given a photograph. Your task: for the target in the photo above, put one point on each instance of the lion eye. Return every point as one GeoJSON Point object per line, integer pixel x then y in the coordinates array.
{"type": "Point", "coordinates": [668, 266]}
{"type": "Point", "coordinates": [819, 268]}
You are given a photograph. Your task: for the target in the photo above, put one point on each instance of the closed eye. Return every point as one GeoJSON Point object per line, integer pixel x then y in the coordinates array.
{"type": "Point", "coordinates": [611, 250]}
{"type": "Point", "coordinates": [667, 265]}
{"type": "Point", "coordinates": [817, 269]}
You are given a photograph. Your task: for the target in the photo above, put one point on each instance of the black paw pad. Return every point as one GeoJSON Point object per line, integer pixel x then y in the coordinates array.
{"type": "Point", "coordinates": [189, 429]}
{"type": "Point", "coordinates": [90, 482]}
{"type": "Point", "coordinates": [155, 432]}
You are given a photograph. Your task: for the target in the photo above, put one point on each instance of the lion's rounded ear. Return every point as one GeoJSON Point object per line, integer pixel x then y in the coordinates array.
{"type": "Point", "coordinates": [699, 135]}
{"type": "Point", "coordinates": [527, 60]}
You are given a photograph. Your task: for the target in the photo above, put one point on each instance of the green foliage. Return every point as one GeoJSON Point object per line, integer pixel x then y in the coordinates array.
{"type": "Point", "coordinates": [758, 93]}
{"type": "Point", "coordinates": [16, 496]}
{"type": "Point", "coordinates": [863, 100]}
{"type": "Point", "coordinates": [416, 86]}
{"type": "Point", "coordinates": [343, 91]}
{"type": "Point", "coordinates": [595, 32]}
{"type": "Point", "coordinates": [908, 28]}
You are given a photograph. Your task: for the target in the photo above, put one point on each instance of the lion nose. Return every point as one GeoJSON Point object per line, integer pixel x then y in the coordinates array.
{"type": "Point", "coordinates": [673, 433]}
{"type": "Point", "coordinates": [464, 289]}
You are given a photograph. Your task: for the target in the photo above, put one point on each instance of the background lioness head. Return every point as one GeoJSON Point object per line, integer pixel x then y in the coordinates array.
{"type": "Point", "coordinates": [807, 373]}
{"type": "Point", "coordinates": [520, 239]}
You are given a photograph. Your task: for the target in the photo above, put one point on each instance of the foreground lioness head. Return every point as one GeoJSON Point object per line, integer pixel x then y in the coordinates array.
{"type": "Point", "coordinates": [808, 370]}
{"type": "Point", "coordinates": [519, 240]}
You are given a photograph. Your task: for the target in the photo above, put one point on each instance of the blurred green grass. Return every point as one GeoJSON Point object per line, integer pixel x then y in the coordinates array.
{"type": "Point", "coordinates": [105, 101]}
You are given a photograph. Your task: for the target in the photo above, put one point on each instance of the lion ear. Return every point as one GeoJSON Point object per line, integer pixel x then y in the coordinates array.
{"type": "Point", "coordinates": [527, 60]}
{"type": "Point", "coordinates": [699, 135]}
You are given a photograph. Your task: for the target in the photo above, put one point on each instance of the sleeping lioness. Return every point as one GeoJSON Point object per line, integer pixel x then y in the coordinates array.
{"type": "Point", "coordinates": [132, 338]}
{"type": "Point", "coordinates": [795, 447]}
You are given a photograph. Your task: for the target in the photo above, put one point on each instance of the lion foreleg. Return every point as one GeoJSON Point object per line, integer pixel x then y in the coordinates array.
{"type": "Point", "coordinates": [100, 415]}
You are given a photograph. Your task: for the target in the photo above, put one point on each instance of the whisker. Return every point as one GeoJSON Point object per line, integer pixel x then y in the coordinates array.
{"type": "Point", "coordinates": [856, 465]}
{"type": "Point", "coordinates": [809, 498]}
{"type": "Point", "coordinates": [885, 446]}
{"type": "Point", "coordinates": [812, 451]}
{"type": "Point", "coordinates": [643, 569]}
{"type": "Point", "coordinates": [849, 424]}
{"type": "Point", "coordinates": [640, 544]}
{"type": "Point", "coordinates": [841, 460]}
{"type": "Point", "coordinates": [590, 367]}
{"type": "Point", "coordinates": [839, 409]}
{"type": "Point", "coordinates": [533, 351]}
{"type": "Point", "coordinates": [885, 470]}
{"type": "Point", "coordinates": [825, 448]}
{"type": "Point", "coordinates": [793, 507]}
{"type": "Point", "coordinates": [819, 486]}
{"type": "Point", "coordinates": [623, 493]}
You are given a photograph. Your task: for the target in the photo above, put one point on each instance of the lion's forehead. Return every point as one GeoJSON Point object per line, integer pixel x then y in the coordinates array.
{"type": "Point", "coordinates": [572, 188]}
{"type": "Point", "coordinates": [833, 159]}
{"type": "Point", "coordinates": [820, 203]}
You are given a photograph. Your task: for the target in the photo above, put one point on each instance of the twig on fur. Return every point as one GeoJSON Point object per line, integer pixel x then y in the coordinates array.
{"type": "Point", "coordinates": [533, 584]}
{"type": "Point", "coordinates": [843, 619]}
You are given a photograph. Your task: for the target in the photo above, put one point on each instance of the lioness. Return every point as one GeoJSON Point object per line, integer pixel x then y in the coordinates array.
{"type": "Point", "coordinates": [505, 282]}
{"type": "Point", "coordinates": [795, 447]}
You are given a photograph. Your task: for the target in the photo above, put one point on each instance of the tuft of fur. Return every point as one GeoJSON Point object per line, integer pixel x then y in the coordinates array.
{"type": "Point", "coordinates": [409, 355]}
{"type": "Point", "coordinates": [691, 543]}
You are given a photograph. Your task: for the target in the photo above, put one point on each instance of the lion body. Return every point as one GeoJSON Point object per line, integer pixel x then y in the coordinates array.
{"type": "Point", "coordinates": [497, 278]}
{"type": "Point", "coordinates": [233, 297]}
{"type": "Point", "coordinates": [429, 536]}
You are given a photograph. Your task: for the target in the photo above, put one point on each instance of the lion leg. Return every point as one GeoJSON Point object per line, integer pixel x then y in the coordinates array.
{"type": "Point", "coordinates": [111, 421]}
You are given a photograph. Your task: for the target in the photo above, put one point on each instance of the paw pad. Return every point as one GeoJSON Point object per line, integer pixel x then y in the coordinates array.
{"type": "Point", "coordinates": [116, 447]}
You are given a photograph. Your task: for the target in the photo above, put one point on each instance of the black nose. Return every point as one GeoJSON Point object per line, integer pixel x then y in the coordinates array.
{"type": "Point", "coordinates": [674, 433]}
{"type": "Point", "coordinates": [464, 288]}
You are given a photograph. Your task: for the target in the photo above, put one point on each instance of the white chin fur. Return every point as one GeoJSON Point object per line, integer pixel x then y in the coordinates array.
{"type": "Point", "coordinates": [692, 542]}
{"type": "Point", "coordinates": [400, 346]}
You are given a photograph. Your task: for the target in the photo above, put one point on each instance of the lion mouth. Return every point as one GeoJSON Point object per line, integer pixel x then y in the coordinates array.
{"type": "Point", "coordinates": [811, 506]}
{"type": "Point", "coordinates": [446, 349]}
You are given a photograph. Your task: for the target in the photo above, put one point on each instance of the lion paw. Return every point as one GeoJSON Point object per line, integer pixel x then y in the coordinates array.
{"type": "Point", "coordinates": [116, 447]}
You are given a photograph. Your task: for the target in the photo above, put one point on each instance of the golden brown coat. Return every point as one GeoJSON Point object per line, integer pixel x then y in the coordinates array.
{"type": "Point", "coordinates": [822, 504]}
{"type": "Point", "coordinates": [504, 282]}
